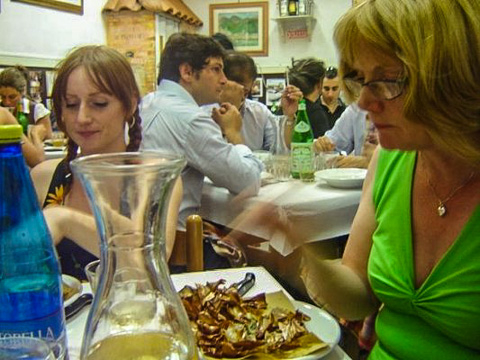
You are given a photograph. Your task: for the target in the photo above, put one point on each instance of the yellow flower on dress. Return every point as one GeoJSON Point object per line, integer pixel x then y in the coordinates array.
{"type": "Point", "coordinates": [57, 198]}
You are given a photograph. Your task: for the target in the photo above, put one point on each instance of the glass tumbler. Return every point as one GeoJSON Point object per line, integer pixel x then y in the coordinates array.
{"type": "Point", "coordinates": [25, 348]}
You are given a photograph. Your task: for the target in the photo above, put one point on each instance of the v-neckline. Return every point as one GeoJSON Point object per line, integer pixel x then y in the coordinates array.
{"type": "Point", "coordinates": [411, 257]}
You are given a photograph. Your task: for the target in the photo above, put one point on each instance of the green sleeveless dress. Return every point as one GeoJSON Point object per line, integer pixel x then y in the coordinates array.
{"type": "Point", "coordinates": [440, 319]}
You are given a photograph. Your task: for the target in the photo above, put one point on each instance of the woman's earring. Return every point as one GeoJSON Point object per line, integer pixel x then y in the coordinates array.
{"type": "Point", "coordinates": [133, 123]}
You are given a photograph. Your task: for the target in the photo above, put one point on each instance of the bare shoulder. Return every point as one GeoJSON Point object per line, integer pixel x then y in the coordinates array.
{"type": "Point", "coordinates": [42, 175]}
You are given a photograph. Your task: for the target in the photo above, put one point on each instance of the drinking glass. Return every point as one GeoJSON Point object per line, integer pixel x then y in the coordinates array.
{"type": "Point", "coordinates": [58, 139]}
{"type": "Point", "coordinates": [326, 160]}
{"type": "Point", "coordinates": [281, 165]}
{"type": "Point", "coordinates": [92, 269]}
{"type": "Point", "coordinates": [25, 348]}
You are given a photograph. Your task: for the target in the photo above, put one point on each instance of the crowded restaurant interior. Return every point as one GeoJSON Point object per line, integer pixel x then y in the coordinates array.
{"type": "Point", "coordinates": [313, 162]}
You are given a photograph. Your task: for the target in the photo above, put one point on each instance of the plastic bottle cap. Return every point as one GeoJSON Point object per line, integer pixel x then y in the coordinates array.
{"type": "Point", "coordinates": [10, 133]}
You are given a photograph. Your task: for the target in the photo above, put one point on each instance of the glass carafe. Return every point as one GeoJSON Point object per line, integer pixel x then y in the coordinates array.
{"type": "Point", "coordinates": [136, 312]}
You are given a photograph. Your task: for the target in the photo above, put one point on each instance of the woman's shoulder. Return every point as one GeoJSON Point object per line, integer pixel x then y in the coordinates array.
{"type": "Point", "coordinates": [42, 175]}
{"type": "Point", "coordinates": [46, 167]}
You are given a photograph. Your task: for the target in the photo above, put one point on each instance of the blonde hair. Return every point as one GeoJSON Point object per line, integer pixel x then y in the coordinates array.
{"type": "Point", "coordinates": [438, 43]}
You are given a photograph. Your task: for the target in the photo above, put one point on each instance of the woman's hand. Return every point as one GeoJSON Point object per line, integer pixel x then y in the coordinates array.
{"type": "Point", "coordinates": [289, 102]}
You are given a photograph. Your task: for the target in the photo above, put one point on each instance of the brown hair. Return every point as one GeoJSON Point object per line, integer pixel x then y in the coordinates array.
{"type": "Point", "coordinates": [438, 43]}
{"type": "Point", "coordinates": [15, 77]}
{"type": "Point", "coordinates": [111, 73]}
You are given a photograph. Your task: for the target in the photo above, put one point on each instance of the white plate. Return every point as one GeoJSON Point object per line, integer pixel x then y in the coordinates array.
{"type": "Point", "coordinates": [73, 283]}
{"type": "Point", "coordinates": [345, 178]}
{"type": "Point", "coordinates": [321, 324]}
{"type": "Point", "coordinates": [53, 148]}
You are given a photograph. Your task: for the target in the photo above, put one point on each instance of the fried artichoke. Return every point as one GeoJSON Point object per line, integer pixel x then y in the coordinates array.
{"type": "Point", "coordinates": [227, 326]}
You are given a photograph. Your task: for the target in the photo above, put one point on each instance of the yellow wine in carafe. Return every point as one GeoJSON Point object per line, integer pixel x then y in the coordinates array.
{"type": "Point", "coordinates": [143, 346]}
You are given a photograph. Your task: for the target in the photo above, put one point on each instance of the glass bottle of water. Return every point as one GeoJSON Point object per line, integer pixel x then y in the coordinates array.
{"type": "Point", "coordinates": [22, 117]}
{"type": "Point", "coordinates": [302, 146]}
{"type": "Point", "coordinates": [31, 303]}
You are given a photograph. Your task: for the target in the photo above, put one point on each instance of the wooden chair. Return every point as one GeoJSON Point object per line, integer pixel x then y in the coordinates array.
{"type": "Point", "coordinates": [188, 248]}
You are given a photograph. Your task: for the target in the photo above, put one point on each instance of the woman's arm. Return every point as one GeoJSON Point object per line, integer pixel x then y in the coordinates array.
{"type": "Point", "coordinates": [47, 125]}
{"type": "Point", "coordinates": [32, 148]}
{"type": "Point", "coordinates": [343, 285]}
{"type": "Point", "coordinates": [66, 222]}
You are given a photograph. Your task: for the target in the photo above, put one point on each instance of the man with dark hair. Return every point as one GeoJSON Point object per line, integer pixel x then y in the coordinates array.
{"type": "Point", "coordinates": [223, 40]}
{"type": "Point", "coordinates": [191, 75]}
{"type": "Point", "coordinates": [330, 100]}
{"type": "Point", "coordinates": [261, 129]}
{"type": "Point", "coordinates": [308, 74]}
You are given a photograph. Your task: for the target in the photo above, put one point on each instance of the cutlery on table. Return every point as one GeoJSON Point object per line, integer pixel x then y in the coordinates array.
{"type": "Point", "coordinates": [246, 284]}
{"type": "Point", "coordinates": [75, 307]}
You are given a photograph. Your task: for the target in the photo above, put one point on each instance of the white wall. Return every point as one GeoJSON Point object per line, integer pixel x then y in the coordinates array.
{"type": "Point", "coordinates": [38, 36]}
{"type": "Point", "coordinates": [280, 51]}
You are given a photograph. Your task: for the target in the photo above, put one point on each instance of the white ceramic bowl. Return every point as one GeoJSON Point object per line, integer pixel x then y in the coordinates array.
{"type": "Point", "coordinates": [344, 178]}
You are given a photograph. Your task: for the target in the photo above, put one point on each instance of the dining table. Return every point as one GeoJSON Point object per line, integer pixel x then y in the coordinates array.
{"type": "Point", "coordinates": [264, 283]}
{"type": "Point", "coordinates": [314, 209]}
{"type": "Point", "coordinates": [54, 152]}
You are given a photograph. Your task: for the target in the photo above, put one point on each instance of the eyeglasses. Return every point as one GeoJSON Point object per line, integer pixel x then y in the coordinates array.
{"type": "Point", "coordinates": [381, 89]}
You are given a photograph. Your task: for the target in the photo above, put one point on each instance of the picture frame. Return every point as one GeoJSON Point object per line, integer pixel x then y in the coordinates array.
{"type": "Point", "coordinates": [246, 24]}
{"type": "Point", "coordinates": [257, 87]}
{"type": "Point", "coordinates": [74, 6]}
{"type": "Point", "coordinates": [274, 90]}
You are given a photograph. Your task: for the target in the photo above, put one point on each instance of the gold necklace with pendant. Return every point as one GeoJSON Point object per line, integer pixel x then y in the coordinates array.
{"type": "Point", "coordinates": [442, 209]}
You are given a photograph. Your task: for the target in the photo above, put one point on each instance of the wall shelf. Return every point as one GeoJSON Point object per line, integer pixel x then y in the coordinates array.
{"type": "Point", "coordinates": [291, 24]}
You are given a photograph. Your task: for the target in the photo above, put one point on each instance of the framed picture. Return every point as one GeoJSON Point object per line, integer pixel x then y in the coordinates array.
{"type": "Point", "coordinates": [257, 87]}
{"type": "Point", "coordinates": [75, 6]}
{"type": "Point", "coordinates": [246, 24]}
{"type": "Point", "coordinates": [275, 87]}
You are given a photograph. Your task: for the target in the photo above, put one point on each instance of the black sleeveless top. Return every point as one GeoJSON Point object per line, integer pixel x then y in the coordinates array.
{"type": "Point", "coordinates": [73, 258]}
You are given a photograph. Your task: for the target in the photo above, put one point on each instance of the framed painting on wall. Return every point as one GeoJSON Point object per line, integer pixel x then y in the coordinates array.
{"type": "Point", "coordinates": [75, 6]}
{"type": "Point", "coordinates": [246, 24]}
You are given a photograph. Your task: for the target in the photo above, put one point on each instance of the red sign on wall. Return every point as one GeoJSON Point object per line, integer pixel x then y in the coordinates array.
{"type": "Point", "coordinates": [297, 34]}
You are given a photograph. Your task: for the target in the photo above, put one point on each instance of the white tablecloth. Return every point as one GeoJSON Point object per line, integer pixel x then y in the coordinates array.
{"type": "Point", "coordinates": [55, 154]}
{"type": "Point", "coordinates": [264, 283]}
{"type": "Point", "coordinates": [317, 210]}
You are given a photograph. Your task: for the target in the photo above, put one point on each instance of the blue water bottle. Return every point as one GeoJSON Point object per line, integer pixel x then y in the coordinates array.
{"type": "Point", "coordinates": [31, 303]}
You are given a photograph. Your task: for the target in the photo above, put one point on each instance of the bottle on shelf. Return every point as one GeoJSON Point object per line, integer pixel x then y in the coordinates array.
{"type": "Point", "coordinates": [302, 155]}
{"type": "Point", "coordinates": [292, 7]}
{"type": "Point", "coordinates": [283, 7]}
{"type": "Point", "coordinates": [302, 7]}
{"type": "Point", "coordinates": [30, 277]}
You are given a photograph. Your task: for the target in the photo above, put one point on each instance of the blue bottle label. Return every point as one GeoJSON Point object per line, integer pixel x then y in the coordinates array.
{"type": "Point", "coordinates": [49, 327]}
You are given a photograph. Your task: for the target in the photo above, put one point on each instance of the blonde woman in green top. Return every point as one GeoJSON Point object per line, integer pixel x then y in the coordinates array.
{"type": "Point", "coordinates": [413, 252]}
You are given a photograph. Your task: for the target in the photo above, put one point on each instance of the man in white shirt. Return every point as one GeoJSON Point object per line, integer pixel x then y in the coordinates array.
{"type": "Point", "coordinates": [191, 75]}
{"type": "Point", "coordinates": [353, 135]}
